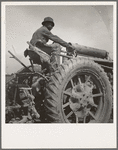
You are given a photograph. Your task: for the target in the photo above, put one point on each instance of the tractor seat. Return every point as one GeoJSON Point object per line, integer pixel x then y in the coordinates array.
{"type": "Point", "coordinates": [34, 57]}
{"type": "Point", "coordinates": [37, 55]}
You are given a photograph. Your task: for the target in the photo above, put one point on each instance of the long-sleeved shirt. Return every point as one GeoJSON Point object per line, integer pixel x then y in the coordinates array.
{"type": "Point", "coordinates": [44, 35]}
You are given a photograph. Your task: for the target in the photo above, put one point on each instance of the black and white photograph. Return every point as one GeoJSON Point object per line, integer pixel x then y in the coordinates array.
{"type": "Point", "coordinates": [58, 74]}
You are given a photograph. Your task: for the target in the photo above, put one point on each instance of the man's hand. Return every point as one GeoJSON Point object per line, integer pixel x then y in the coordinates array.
{"type": "Point", "coordinates": [26, 52]}
{"type": "Point", "coordinates": [70, 49]}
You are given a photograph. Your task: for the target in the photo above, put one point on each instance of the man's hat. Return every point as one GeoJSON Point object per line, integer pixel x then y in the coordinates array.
{"type": "Point", "coordinates": [48, 19]}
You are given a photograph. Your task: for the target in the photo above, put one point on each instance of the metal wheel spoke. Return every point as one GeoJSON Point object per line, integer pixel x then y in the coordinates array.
{"type": "Point", "coordinates": [67, 93]}
{"type": "Point", "coordinates": [81, 85]}
{"type": "Point", "coordinates": [72, 83]}
{"type": "Point", "coordinates": [69, 114]}
{"type": "Point", "coordinates": [93, 104]}
{"type": "Point", "coordinates": [74, 95]}
{"type": "Point", "coordinates": [91, 114]}
{"type": "Point", "coordinates": [88, 78]}
{"type": "Point", "coordinates": [97, 95]}
{"type": "Point", "coordinates": [65, 105]}
{"type": "Point", "coordinates": [79, 81]}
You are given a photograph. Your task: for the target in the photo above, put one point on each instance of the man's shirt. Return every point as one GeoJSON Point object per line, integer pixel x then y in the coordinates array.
{"type": "Point", "coordinates": [44, 35]}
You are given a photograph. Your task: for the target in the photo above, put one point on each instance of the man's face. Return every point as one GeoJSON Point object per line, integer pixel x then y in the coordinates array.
{"type": "Point", "coordinates": [49, 25]}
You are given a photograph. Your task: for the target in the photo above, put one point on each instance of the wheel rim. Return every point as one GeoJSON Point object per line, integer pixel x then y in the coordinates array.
{"type": "Point", "coordinates": [83, 98]}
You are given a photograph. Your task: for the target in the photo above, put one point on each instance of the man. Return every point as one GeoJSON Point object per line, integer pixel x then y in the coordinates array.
{"type": "Point", "coordinates": [40, 39]}
{"type": "Point", "coordinates": [43, 34]}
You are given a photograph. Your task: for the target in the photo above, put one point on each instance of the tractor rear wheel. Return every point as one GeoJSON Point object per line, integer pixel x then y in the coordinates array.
{"type": "Point", "coordinates": [79, 92]}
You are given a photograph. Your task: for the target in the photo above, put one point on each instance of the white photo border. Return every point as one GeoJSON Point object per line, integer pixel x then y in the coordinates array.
{"type": "Point", "coordinates": [56, 135]}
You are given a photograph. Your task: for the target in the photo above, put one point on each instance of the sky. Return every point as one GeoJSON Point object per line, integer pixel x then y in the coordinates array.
{"type": "Point", "coordinates": [88, 25]}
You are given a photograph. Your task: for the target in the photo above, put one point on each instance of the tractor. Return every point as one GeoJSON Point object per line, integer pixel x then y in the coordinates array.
{"type": "Point", "coordinates": [78, 90]}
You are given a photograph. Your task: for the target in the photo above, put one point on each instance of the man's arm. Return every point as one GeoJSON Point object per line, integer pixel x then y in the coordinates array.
{"type": "Point", "coordinates": [55, 38]}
